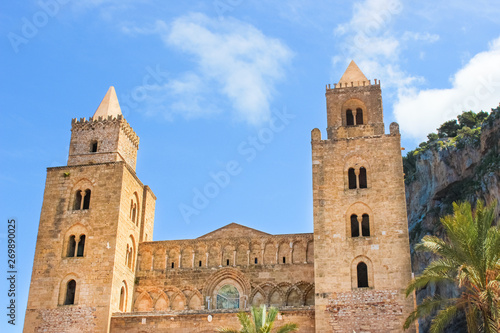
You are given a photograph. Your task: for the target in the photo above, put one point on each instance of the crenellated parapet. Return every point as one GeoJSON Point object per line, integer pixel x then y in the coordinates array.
{"type": "Point", "coordinates": [118, 120]}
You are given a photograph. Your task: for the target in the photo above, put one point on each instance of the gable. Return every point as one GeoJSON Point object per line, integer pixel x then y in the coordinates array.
{"type": "Point", "coordinates": [233, 230]}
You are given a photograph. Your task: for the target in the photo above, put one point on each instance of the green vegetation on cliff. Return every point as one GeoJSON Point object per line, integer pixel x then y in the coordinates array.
{"type": "Point", "coordinates": [465, 131]}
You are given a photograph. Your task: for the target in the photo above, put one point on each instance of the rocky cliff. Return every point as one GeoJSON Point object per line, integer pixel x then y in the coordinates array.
{"type": "Point", "coordinates": [445, 170]}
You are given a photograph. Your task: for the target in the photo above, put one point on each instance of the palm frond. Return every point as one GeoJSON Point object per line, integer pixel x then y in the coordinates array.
{"type": "Point", "coordinates": [290, 327]}
{"type": "Point", "coordinates": [443, 318]}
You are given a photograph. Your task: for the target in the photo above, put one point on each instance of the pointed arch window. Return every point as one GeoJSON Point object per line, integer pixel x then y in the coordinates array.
{"type": "Point", "coordinates": [78, 200]}
{"type": "Point", "coordinates": [123, 297]}
{"type": "Point", "coordinates": [349, 117]}
{"type": "Point", "coordinates": [354, 226]}
{"type": "Point", "coordinates": [81, 246]}
{"type": "Point", "coordinates": [71, 246]}
{"type": "Point", "coordinates": [365, 225]}
{"type": "Point", "coordinates": [86, 199]}
{"type": "Point", "coordinates": [362, 178]}
{"type": "Point", "coordinates": [362, 275]}
{"type": "Point", "coordinates": [359, 116]}
{"type": "Point", "coordinates": [352, 178]}
{"type": "Point", "coordinates": [70, 292]}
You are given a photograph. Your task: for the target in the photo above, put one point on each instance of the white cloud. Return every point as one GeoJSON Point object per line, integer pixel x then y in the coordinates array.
{"type": "Point", "coordinates": [370, 41]}
{"type": "Point", "coordinates": [476, 86]}
{"type": "Point", "coordinates": [234, 62]}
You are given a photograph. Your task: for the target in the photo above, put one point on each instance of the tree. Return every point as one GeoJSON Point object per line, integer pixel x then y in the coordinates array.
{"type": "Point", "coordinates": [470, 258]}
{"type": "Point", "coordinates": [260, 322]}
{"type": "Point", "coordinates": [448, 129]}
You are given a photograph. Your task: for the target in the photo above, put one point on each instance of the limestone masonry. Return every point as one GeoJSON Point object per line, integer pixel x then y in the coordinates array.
{"type": "Point", "coordinates": [96, 268]}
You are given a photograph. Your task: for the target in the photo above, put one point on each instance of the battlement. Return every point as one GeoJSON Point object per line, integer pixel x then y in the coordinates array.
{"type": "Point", "coordinates": [352, 84]}
{"type": "Point", "coordinates": [91, 123]}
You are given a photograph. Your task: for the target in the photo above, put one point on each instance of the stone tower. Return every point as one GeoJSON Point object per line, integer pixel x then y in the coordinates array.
{"type": "Point", "coordinates": [95, 212]}
{"type": "Point", "coordinates": [362, 261]}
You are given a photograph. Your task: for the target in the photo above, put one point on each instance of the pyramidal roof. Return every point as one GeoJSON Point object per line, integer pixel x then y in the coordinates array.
{"type": "Point", "coordinates": [353, 74]}
{"type": "Point", "coordinates": [109, 105]}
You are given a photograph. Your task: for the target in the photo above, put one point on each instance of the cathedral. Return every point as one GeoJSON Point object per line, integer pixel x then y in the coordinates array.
{"type": "Point", "coordinates": [97, 268]}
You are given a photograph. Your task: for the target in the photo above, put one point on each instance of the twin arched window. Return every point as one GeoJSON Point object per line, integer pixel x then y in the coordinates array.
{"type": "Point", "coordinates": [360, 228]}
{"type": "Point", "coordinates": [357, 178]}
{"type": "Point", "coordinates": [82, 199]}
{"type": "Point", "coordinates": [354, 117]}
{"type": "Point", "coordinates": [130, 254]}
{"type": "Point", "coordinates": [73, 247]}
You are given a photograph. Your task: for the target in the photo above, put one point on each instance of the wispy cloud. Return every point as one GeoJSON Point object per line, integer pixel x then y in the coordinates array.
{"type": "Point", "coordinates": [233, 61]}
{"type": "Point", "coordinates": [476, 86]}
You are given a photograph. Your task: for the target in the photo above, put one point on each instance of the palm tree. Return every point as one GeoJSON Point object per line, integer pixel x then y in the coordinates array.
{"type": "Point", "coordinates": [260, 322]}
{"type": "Point", "coordinates": [470, 258]}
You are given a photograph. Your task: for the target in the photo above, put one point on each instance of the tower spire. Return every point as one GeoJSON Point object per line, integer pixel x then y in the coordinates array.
{"type": "Point", "coordinates": [352, 74]}
{"type": "Point", "coordinates": [109, 105]}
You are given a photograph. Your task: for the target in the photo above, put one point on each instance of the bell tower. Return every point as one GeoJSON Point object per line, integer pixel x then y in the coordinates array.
{"type": "Point", "coordinates": [362, 261]}
{"type": "Point", "coordinates": [95, 212]}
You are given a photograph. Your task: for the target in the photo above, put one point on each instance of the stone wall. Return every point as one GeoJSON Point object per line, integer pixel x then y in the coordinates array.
{"type": "Point", "coordinates": [200, 322]}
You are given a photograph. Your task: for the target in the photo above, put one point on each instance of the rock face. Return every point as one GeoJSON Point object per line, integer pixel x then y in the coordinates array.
{"type": "Point", "coordinates": [446, 172]}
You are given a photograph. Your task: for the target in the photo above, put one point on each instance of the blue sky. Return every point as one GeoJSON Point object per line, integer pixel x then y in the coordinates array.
{"type": "Point", "coordinates": [207, 84]}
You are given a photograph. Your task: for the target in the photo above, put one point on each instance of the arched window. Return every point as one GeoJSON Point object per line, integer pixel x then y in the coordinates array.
{"type": "Point", "coordinates": [362, 271]}
{"type": "Point", "coordinates": [352, 178]}
{"type": "Point", "coordinates": [93, 146]}
{"type": "Point", "coordinates": [359, 116]}
{"type": "Point", "coordinates": [365, 225]}
{"type": "Point", "coordinates": [349, 117]}
{"type": "Point", "coordinates": [81, 246]}
{"type": "Point", "coordinates": [362, 178]}
{"type": "Point", "coordinates": [228, 297]}
{"type": "Point", "coordinates": [354, 226]}
{"type": "Point", "coordinates": [127, 256]}
{"type": "Point", "coordinates": [70, 292]}
{"type": "Point", "coordinates": [71, 246]}
{"type": "Point", "coordinates": [86, 199]}
{"type": "Point", "coordinates": [78, 200]}
{"type": "Point", "coordinates": [123, 297]}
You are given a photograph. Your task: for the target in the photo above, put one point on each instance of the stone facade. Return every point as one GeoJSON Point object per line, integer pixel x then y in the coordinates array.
{"type": "Point", "coordinates": [96, 268]}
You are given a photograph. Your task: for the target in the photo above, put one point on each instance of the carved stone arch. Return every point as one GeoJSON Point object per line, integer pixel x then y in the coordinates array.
{"type": "Point", "coordinates": [78, 229]}
{"type": "Point", "coordinates": [178, 301]}
{"type": "Point", "coordinates": [310, 252]}
{"type": "Point", "coordinates": [284, 251]}
{"type": "Point", "coordinates": [187, 257]}
{"type": "Point", "coordinates": [308, 297]}
{"type": "Point", "coordinates": [299, 252]}
{"type": "Point", "coordinates": [228, 249]}
{"type": "Point", "coordinates": [194, 293]}
{"type": "Point", "coordinates": [173, 257]}
{"type": "Point", "coordinates": [200, 255]}
{"type": "Point", "coordinates": [242, 253]}
{"type": "Point", "coordinates": [294, 296]}
{"type": "Point", "coordinates": [146, 258]}
{"type": "Point", "coordinates": [162, 302]}
{"type": "Point", "coordinates": [214, 254]}
{"type": "Point", "coordinates": [359, 209]}
{"type": "Point", "coordinates": [159, 256]}
{"type": "Point", "coordinates": [302, 285]}
{"type": "Point", "coordinates": [353, 104]}
{"type": "Point", "coordinates": [354, 271]}
{"type": "Point", "coordinates": [270, 253]}
{"type": "Point", "coordinates": [272, 300]}
{"type": "Point", "coordinates": [227, 276]}
{"type": "Point", "coordinates": [256, 290]}
{"type": "Point", "coordinates": [64, 285]}
{"type": "Point", "coordinates": [256, 253]}
{"type": "Point", "coordinates": [143, 303]}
